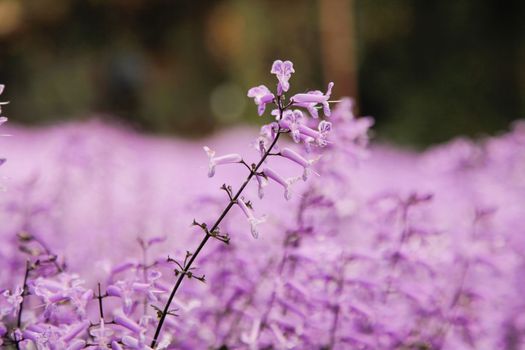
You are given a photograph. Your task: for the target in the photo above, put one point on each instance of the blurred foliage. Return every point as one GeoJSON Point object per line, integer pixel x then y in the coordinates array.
{"type": "Point", "coordinates": [427, 70]}
{"type": "Point", "coordinates": [434, 69]}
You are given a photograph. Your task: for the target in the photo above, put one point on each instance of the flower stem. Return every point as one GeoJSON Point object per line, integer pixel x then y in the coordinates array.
{"type": "Point", "coordinates": [24, 292]}
{"type": "Point", "coordinates": [206, 238]}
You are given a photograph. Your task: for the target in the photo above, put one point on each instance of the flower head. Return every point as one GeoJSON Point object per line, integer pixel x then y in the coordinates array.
{"type": "Point", "coordinates": [266, 136]}
{"type": "Point", "coordinates": [101, 334]}
{"type": "Point", "coordinates": [311, 99]}
{"type": "Point", "coordinates": [2, 103]}
{"type": "Point", "coordinates": [214, 161]}
{"type": "Point", "coordinates": [261, 184]}
{"type": "Point", "coordinates": [286, 183]}
{"type": "Point", "coordinates": [291, 121]}
{"type": "Point", "coordinates": [10, 302]}
{"type": "Point", "coordinates": [251, 218]}
{"type": "Point", "coordinates": [283, 71]}
{"type": "Point", "coordinates": [261, 96]}
{"type": "Point", "coordinates": [297, 158]}
{"type": "Point", "coordinates": [320, 135]}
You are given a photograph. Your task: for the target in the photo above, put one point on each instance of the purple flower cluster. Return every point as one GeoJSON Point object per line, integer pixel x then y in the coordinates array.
{"type": "Point", "coordinates": [379, 249]}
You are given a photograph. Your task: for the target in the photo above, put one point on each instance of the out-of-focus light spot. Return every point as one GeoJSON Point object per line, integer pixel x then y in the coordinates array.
{"type": "Point", "coordinates": [10, 16]}
{"type": "Point", "coordinates": [227, 102]}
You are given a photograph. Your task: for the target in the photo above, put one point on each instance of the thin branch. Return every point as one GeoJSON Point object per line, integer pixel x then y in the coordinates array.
{"type": "Point", "coordinates": [100, 307]}
{"type": "Point", "coordinates": [187, 266]}
{"type": "Point", "coordinates": [24, 294]}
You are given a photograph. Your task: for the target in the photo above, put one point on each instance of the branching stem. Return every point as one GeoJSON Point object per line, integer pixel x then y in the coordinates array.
{"type": "Point", "coordinates": [207, 236]}
{"type": "Point", "coordinates": [24, 292]}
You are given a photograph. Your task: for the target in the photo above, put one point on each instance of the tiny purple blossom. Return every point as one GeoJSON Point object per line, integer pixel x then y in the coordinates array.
{"type": "Point", "coordinates": [2, 121]}
{"type": "Point", "coordinates": [310, 99]}
{"type": "Point", "coordinates": [75, 330]}
{"type": "Point", "coordinates": [13, 300]}
{"type": "Point", "coordinates": [116, 346]}
{"type": "Point", "coordinates": [214, 161]}
{"type": "Point", "coordinates": [2, 86]}
{"type": "Point", "coordinates": [283, 71]}
{"type": "Point", "coordinates": [291, 121]}
{"type": "Point", "coordinates": [101, 334]}
{"type": "Point", "coordinates": [286, 183]}
{"type": "Point", "coordinates": [318, 135]}
{"type": "Point", "coordinates": [251, 339]}
{"type": "Point", "coordinates": [261, 96]}
{"type": "Point", "coordinates": [261, 184]}
{"type": "Point", "coordinates": [297, 158]}
{"type": "Point", "coordinates": [251, 218]}
{"type": "Point", "coordinates": [126, 322]}
{"type": "Point", "coordinates": [77, 344]}
{"type": "Point", "coordinates": [266, 136]}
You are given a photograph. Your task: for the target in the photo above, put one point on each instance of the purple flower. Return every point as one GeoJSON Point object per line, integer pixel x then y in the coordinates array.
{"type": "Point", "coordinates": [261, 96]}
{"type": "Point", "coordinates": [67, 288]}
{"type": "Point", "coordinates": [266, 136]}
{"type": "Point", "coordinates": [253, 221]}
{"type": "Point", "coordinates": [261, 184]}
{"type": "Point", "coordinates": [252, 338]}
{"type": "Point", "coordinates": [320, 135]}
{"type": "Point", "coordinates": [136, 343]}
{"type": "Point", "coordinates": [121, 319]}
{"type": "Point", "coordinates": [286, 183]}
{"type": "Point", "coordinates": [77, 344]}
{"type": "Point", "coordinates": [214, 161]}
{"type": "Point", "coordinates": [123, 290]}
{"type": "Point", "coordinates": [101, 334]}
{"type": "Point", "coordinates": [283, 71]}
{"type": "Point", "coordinates": [2, 103]}
{"type": "Point", "coordinates": [75, 330]}
{"type": "Point", "coordinates": [10, 302]}
{"type": "Point", "coordinates": [297, 158]}
{"type": "Point", "coordinates": [291, 121]}
{"type": "Point", "coordinates": [149, 287]}
{"type": "Point", "coordinates": [116, 346]}
{"type": "Point", "coordinates": [2, 121]}
{"type": "Point", "coordinates": [311, 99]}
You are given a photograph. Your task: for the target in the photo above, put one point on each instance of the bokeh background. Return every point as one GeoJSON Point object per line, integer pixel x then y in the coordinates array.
{"type": "Point", "coordinates": [426, 70]}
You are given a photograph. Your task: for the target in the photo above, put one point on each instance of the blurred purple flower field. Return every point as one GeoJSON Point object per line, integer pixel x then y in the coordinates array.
{"type": "Point", "coordinates": [385, 249]}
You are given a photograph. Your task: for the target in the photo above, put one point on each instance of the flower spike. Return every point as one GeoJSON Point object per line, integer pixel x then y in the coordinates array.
{"type": "Point", "coordinates": [310, 100]}
{"type": "Point", "coordinates": [261, 96]}
{"type": "Point", "coordinates": [251, 218]}
{"type": "Point", "coordinates": [286, 183]}
{"type": "Point", "coordinates": [297, 158]}
{"type": "Point", "coordinates": [214, 161]}
{"type": "Point", "coordinates": [291, 121]}
{"type": "Point", "coordinates": [283, 71]}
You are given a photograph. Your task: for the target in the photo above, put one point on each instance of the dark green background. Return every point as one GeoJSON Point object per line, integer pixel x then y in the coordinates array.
{"type": "Point", "coordinates": [427, 70]}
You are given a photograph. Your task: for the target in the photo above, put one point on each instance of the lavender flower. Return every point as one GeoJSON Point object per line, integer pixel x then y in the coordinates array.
{"type": "Point", "coordinates": [261, 96]}
{"type": "Point", "coordinates": [214, 161]}
{"type": "Point", "coordinates": [292, 120]}
{"type": "Point", "coordinates": [2, 119]}
{"type": "Point", "coordinates": [252, 220]}
{"type": "Point", "coordinates": [297, 158]}
{"type": "Point", "coordinates": [283, 71]}
{"type": "Point", "coordinates": [285, 183]}
{"type": "Point", "coordinates": [435, 258]}
{"type": "Point", "coordinates": [311, 99]}
{"type": "Point", "coordinates": [102, 335]}
{"type": "Point", "coordinates": [10, 302]}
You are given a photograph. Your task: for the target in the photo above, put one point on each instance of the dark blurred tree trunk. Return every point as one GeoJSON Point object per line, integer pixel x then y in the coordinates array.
{"type": "Point", "coordinates": [338, 45]}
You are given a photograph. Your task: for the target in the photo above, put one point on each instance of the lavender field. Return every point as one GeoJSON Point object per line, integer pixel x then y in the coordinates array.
{"type": "Point", "coordinates": [336, 242]}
